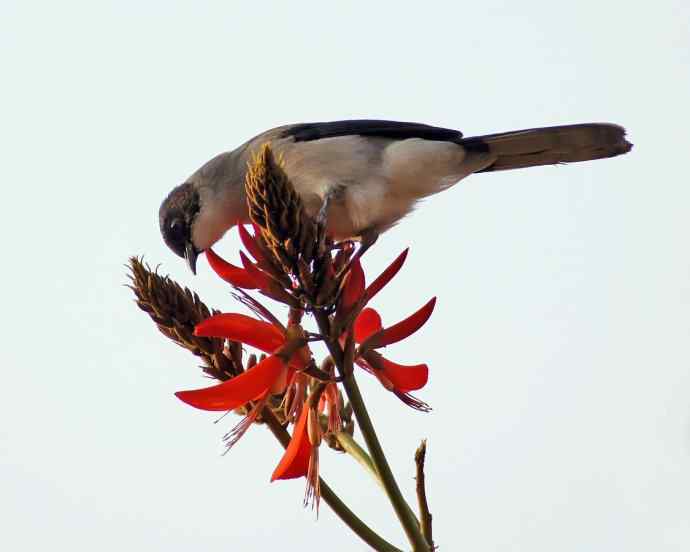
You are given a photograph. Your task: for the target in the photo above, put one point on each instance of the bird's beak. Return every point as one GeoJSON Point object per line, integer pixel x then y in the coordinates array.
{"type": "Point", "coordinates": [190, 253]}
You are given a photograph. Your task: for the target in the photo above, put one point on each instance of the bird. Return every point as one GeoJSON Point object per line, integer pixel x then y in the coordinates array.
{"type": "Point", "coordinates": [363, 176]}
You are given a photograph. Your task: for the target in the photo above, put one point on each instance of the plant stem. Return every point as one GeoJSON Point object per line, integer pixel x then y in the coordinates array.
{"type": "Point", "coordinates": [344, 362]}
{"type": "Point", "coordinates": [352, 447]}
{"type": "Point", "coordinates": [424, 513]}
{"type": "Point", "coordinates": [361, 529]}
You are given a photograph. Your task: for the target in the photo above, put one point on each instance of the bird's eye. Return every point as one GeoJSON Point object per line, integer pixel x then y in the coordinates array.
{"type": "Point", "coordinates": [177, 228]}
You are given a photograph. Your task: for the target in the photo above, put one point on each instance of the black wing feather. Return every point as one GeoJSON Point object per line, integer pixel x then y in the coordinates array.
{"type": "Point", "coordinates": [370, 127]}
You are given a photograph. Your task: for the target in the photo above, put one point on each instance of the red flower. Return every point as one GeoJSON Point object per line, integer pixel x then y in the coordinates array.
{"type": "Point", "coordinates": [272, 375]}
{"type": "Point", "coordinates": [367, 330]}
{"type": "Point", "coordinates": [372, 336]}
{"type": "Point", "coordinates": [354, 291]}
{"type": "Point", "coordinates": [301, 457]}
{"type": "Point", "coordinates": [386, 276]}
{"type": "Point", "coordinates": [295, 460]}
{"type": "Point", "coordinates": [251, 385]}
{"type": "Point", "coordinates": [251, 275]}
{"type": "Point", "coordinates": [232, 274]}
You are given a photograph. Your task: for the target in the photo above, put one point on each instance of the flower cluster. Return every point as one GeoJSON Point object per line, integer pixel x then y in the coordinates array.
{"type": "Point", "coordinates": [310, 397]}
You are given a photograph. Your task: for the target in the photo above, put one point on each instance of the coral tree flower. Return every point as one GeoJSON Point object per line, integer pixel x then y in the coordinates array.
{"type": "Point", "coordinates": [369, 333]}
{"type": "Point", "coordinates": [270, 376]}
{"type": "Point", "coordinates": [295, 460]}
{"type": "Point", "coordinates": [251, 275]}
{"type": "Point", "coordinates": [254, 384]}
{"type": "Point", "coordinates": [301, 458]}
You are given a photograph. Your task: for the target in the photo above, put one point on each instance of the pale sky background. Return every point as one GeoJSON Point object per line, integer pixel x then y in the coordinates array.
{"type": "Point", "coordinates": [559, 350]}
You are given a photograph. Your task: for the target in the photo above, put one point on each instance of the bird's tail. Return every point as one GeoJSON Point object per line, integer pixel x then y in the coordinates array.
{"type": "Point", "coordinates": [550, 145]}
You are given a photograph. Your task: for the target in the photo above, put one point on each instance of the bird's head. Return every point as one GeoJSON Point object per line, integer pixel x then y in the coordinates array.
{"type": "Point", "coordinates": [196, 214]}
{"type": "Point", "coordinates": [177, 216]}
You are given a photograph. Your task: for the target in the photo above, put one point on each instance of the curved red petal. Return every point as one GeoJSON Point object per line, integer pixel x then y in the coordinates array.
{"type": "Point", "coordinates": [387, 275]}
{"type": "Point", "coordinates": [230, 273]}
{"type": "Point", "coordinates": [242, 328]}
{"type": "Point", "coordinates": [295, 460]}
{"type": "Point", "coordinates": [353, 287]}
{"type": "Point", "coordinates": [366, 324]}
{"type": "Point", "coordinates": [250, 244]}
{"type": "Point", "coordinates": [402, 329]}
{"type": "Point", "coordinates": [405, 378]}
{"type": "Point", "coordinates": [261, 279]}
{"type": "Point", "coordinates": [237, 391]}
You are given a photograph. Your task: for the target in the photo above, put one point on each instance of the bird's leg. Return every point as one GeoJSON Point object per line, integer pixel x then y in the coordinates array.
{"type": "Point", "coordinates": [366, 239]}
{"type": "Point", "coordinates": [322, 215]}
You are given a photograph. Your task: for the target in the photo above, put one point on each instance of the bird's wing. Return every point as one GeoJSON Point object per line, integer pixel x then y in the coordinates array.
{"type": "Point", "coordinates": [370, 127]}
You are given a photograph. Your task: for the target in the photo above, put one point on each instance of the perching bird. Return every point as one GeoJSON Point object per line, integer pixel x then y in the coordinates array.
{"type": "Point", "coordinates": [365, 175]}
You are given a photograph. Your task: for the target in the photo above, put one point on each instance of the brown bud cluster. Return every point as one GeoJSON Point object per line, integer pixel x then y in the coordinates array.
{"type": "Point", "coordinates": [299, 248]}
{"type": "Point", "coordinates": [175, 311]}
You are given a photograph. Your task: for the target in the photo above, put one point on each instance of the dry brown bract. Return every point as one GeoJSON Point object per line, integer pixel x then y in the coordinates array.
{"type": "Point", "coordinates": [176, 311]}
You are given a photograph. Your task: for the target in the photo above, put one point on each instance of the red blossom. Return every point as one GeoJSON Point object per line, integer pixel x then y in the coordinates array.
{"type": "Point", "coordinates": [251, 275]}
{"type": "Point", "coordinates": [248, 277]}
{"type": "Point", "coordinates": [402, 378]}
{"type": "Point", "coordinates": [251, 244]}
{"type": "Point", "coordinates": [353, 288]}
{"type": "Point", "coordinates": [248, 386]}
{"type": "Point", "coordinates": [263, 280]}
{"type": "Point", "coordinates": [232, 274]}
{"type": "Point", "coordinates": [295, 460]}
{"type": "Point", "coordinates": [245, 329]}
{"type": "Point", "coordinates": [386, 276]}
{"type": "Point", "coordinates": [367, 330]}
{"type": "Point", "coordinates": [255, 333]}
{"type": "Point", "coordinates": [367, 324]}
{"type": "Point", "coordinates": [401, 330]}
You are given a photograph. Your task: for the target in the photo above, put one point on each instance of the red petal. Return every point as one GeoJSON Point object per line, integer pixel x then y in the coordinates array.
{"type": "Point", "coordinates": [393, 376]}
{"type": "Point", "coordinates": [295, 461]}
{"type": "Point", "coordinates": [402, 329]}
{"type": "Point", "coordinates": [367, 324]}
{"type": "Point", "coordinates": [387, 275]}
{"type": "Point", "coordinates": [230, 273]}
{"type": "Point", "coordinates": [239, 327]}
{"type": "Point", "coordinates": [250, 244]}
{"type": "Point", "coordinates": [353, 287]}
{"type": "Point", "coordinates": [262, 280]}
{"type": "Point", "coordinates": [405, 378]}
{"type": "Point", "coordinates": [237, 391]}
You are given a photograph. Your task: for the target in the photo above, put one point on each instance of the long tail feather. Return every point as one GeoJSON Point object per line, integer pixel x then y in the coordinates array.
{"type": "Point", "coordinates": [550, 145]}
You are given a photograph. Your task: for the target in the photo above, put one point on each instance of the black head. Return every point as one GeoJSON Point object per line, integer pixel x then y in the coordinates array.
{"type": "Point", "coordinates": [176, 216]}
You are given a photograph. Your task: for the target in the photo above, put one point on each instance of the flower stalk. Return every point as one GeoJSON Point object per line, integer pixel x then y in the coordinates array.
{"type": "Point", "coordinates": [424, 513]}
{"type": "Point", "coordinates": [344, 363]}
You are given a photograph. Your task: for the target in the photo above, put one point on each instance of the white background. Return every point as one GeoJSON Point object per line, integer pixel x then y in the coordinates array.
{"type": "Point", "coordinates": [559, 347]}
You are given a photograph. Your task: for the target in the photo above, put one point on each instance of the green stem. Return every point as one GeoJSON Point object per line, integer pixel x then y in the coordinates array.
{"type": "Point", "coordinates": [361, 529]}
{"type": "Point", "coordinates": [344, 362]}
{"type": "Point", "coordinates": [352, 447]}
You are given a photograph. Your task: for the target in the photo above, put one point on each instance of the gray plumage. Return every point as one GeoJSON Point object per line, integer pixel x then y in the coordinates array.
{"type": "Point", "coordinates": [370, 173]}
